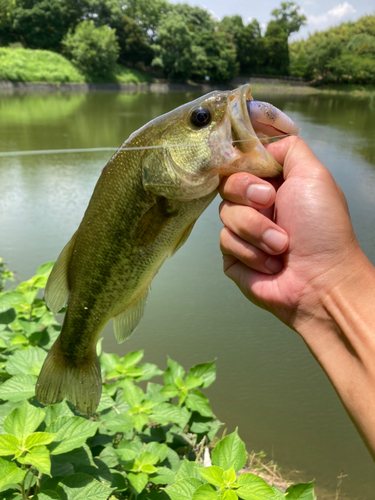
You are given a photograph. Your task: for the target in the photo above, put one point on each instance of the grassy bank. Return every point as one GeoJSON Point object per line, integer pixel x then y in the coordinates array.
{"type": "Point", "coordinates": [26, 65]}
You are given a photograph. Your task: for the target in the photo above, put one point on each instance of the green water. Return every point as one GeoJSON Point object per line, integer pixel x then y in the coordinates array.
{"type": "Point", "coordinates": [268, 383]}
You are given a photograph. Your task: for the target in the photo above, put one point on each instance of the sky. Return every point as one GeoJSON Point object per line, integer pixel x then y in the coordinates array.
{"type": "Point", "coordinates": [321, 14]}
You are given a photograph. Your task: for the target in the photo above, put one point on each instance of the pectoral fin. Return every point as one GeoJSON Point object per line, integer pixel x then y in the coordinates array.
{"type": "Point", "coordinates": [182, 239]}
{"type": "Point", "coordinates": [57, 288]}
{"type": "Point", "coordinates": [152, 223]}
{"type": "Point", "coordinates": [127, 321]}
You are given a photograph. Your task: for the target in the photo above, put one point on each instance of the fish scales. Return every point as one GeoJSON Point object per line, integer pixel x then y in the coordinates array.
{"type": "Point", "coordinates": [142, 210]}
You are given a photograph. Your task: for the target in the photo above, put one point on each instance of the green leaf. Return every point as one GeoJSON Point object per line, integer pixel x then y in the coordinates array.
{"type": "Point", "coordinates": [192, 382]}
{"type": "Point", "coordinates": [105, 402]}
{"type": "Point", "coordinates": [82, 487]}
{"type": "Point", "coordinates": [252, 487]}
{"type": "Point", "coordinates": [71, 433]}
{"type": "Point", "coordinates": [183, 489]}
{"type": "Point", "coordinates": [132, 358]}
{"type": "Point", "coordinates": [163, 413]}
{"type": "Point", "coordinates": [139, 421]}
{"type": "Point", "coordinates": [158, 449]}
{"type": "Point", "coordinates": [163, 475]}
{"type": "Point", "coordinates": [128, 450]}
{"type": "Point", "coordinates": [205, 492]}
{"type": "Point", "coordinates": [196, 401]}
{"type": "Point", "coordinates": [79, 456]}
{"type": "Point", "coordinates": [206, 371]}
{"type": "Point", "coordinates": [39, 438]}
{"type": "Point", "coordinates": [229, 476]}
{"type": "Point", "coordinates": [213, 475]}
{"type": "Point", "coordinates": [10, 474]}
{"type": "Point", "coordinates": [229, 451]}
{"type": "Point", "coordinates": [109, 361]}
{"type": "Point", "coordinates": [25, 362]}
{"type": "Point", "coordinates": [169, 391]}
{"type": "Point", "coordinates": [7, 316]}
{"type": "Point", "coordinates": [118, 423]}
{"type": "Point", "coordinates": [24, 420]}
{"type": "Point", "coordinates": [132, 394]}
{"type": "Point", "coordinates": [189, 469]}
{"type": "Point", "coordinates": [18, 388]}
{"type": "Point", "coordinates": [138, 482]}
{"type": "Point", "coordinates": [40, 459]}
{"type": "Point", "coordinates": [45, 269]}
{"type": "Point", "coordinates": [301, 491]}
{"type": "Point", "coordinates": [149, 370]}
{"type": "Point", "coordinates": [174, 371]}
{"type": "Point", "coordinates": [9, 299]}
{"type": "Point", "coordinates": [53, 412]}
{"type": "Point", "coordinates": [148, 458]}
{"type": "Point", "coordinates": [9, 445]}
{"type": "Point", "coordinates": [229, 495]}
{"type": "Point", "coordinates": [47, 495]}
{"type": "Point", "coordinates": [172, 461]}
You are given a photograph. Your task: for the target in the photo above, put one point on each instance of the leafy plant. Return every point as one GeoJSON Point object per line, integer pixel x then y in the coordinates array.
{"type": "Point", "coordinates": [145, 441]}
{"type": "Point", "coordinates": [94, 50]}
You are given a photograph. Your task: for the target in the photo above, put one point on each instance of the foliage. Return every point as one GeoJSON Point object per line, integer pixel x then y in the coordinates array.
{"type": "Point", "coordinates": [144, 441]}
{"type": "Point", "coordinates": [41, 24]}
{"type": "Point", "coordinates": [189, 46]}
{"type": "Point", "coordinates": [26, 65]}
{"type": "Point", "coordinates": [344, 53]}
{"type": "Point", "coordinates": [94, 50]}
{"type": "Point", "coordinates": [289, 17]}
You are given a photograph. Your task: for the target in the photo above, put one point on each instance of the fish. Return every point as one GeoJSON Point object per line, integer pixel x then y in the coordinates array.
{"type": "Point", "coordinates": [142, 210]}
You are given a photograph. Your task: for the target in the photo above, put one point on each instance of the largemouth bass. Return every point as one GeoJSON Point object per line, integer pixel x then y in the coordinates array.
{"type": "Point", "coordinates": [143, 208]}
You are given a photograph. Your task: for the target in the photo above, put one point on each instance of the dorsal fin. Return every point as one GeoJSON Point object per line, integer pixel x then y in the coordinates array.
{"type": "Point", "coordinates": [57, 288]}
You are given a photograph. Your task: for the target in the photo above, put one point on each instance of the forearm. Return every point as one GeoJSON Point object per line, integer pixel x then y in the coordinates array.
{"type": "Point", "coordinates": [342, 338]}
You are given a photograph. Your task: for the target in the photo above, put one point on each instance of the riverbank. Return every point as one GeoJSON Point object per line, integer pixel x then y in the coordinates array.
{"type": "Point", "coordinates": [257, 84]}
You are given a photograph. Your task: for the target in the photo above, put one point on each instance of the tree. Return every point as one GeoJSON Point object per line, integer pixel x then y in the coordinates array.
{"type": "Point", "coordinates": [42, 24]}
{"type": "Point", "coordinates": [251, 52]}
{"type": "Point", "coordinates": [135, 49]}
{"type": "Point", "coordinates": [174, 48]}
{"type": "Point", "coordinates": [94, 50]}
{"type": "Point", "coordinates": [289, 17]}
{"type": "Point", "coordinates": [276, 51]}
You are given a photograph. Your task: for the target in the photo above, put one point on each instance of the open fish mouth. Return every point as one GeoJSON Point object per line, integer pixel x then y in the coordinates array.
{"type": "Point", "coordinates": [253, 122]}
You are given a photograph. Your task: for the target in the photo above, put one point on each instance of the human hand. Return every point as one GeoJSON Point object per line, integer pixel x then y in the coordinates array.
{"type": "Point", "coordinates": [287, 247]}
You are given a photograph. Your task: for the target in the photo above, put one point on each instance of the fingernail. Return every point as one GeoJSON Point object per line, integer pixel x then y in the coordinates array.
{"type": "Point", "coordinates": [259, 193]}
{"type": "Point", "coordinates": [273, 265]}
{"type": "Point", "coordinates": [275, 240]}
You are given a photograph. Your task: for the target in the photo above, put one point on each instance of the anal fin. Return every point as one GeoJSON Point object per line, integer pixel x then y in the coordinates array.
{"type": "Point", "coordinates": [127, 321]}
{"type": "Point", "coordinates": [57, 288]}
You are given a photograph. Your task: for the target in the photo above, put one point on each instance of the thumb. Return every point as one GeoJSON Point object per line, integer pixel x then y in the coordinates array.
{"type": "Point", "coordinates": [295, 156]}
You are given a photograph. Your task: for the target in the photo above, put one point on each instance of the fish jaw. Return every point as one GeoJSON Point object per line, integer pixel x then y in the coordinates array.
{"type": "Point", "coordinates": [241, 148]}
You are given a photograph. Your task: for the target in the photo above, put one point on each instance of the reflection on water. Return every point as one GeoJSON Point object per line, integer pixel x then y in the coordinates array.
{"type": "Point", "coordinates": [268, 383]}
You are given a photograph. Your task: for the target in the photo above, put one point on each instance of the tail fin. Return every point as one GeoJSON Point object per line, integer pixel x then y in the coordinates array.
{"type": "Point", "coordinates": [79, 381]}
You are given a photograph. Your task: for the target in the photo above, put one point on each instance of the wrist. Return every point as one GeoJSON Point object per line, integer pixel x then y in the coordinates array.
{"type": "Point", "coordinates": [342, 339]}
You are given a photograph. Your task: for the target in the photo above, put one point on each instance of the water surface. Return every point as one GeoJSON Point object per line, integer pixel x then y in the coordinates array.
{"type": "Point", "coordinates": [268, 383]}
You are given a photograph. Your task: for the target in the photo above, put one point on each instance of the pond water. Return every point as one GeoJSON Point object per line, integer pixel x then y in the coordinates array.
{"type": "Point", "coordinates": [267, 384]}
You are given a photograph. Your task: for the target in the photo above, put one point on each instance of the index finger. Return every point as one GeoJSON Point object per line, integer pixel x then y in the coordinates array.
{"type": "Point", "coordinates": [247, 189]}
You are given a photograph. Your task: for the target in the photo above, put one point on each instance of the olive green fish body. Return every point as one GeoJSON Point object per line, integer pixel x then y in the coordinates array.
{"type": "Point", "coordinates": [142, 210]}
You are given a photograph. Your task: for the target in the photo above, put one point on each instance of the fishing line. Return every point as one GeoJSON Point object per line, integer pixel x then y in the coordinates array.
{"type": "Point", "coordinates": [135, 148]}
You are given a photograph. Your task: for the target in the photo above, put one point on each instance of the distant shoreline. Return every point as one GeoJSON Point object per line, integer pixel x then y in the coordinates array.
{"type": "Point", "coordinates": [258, 84]}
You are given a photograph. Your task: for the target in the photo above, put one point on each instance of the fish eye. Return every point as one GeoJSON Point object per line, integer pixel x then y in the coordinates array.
{"type": "Point", "coordinates": [200, 117]}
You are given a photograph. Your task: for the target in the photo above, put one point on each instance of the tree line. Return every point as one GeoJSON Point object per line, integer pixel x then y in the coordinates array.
{"type": "Point", "coordinates": [181, 42]}
{"type": "Point", "coordinates": [174, 41]}
{"type": "Point", "coordinates": [342, 54]}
